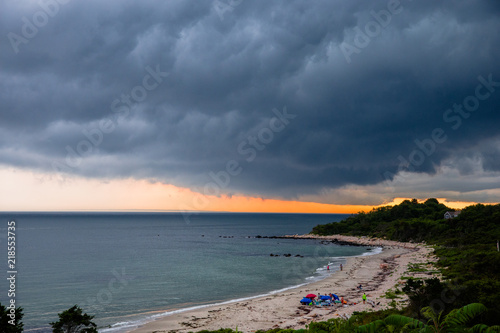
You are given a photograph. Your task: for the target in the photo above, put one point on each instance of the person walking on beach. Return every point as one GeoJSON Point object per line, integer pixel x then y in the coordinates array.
{"type": "Point", "coordinates": [328, 267]}
{"type": "Point", "coordinates": [341, 267]}
{"type": "Point", "coordinates": [364, 298]}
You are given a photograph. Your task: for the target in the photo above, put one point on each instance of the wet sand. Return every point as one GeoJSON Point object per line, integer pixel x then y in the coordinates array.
{"type": "Point", "coordinates": [376, 273]}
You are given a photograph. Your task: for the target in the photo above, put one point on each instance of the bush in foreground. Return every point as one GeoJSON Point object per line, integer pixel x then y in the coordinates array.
{"type": "Point", "coordinates": [11, 322]}
{"type": "Point", "coordinates": [74, 320]}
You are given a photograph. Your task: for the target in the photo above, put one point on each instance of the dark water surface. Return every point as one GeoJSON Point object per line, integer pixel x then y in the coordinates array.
{"type": "Point", "coordinates": [125, 268]}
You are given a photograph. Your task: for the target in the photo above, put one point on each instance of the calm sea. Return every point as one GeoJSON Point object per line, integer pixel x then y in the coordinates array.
{"type": "Point", "coordinates": [129, 268]}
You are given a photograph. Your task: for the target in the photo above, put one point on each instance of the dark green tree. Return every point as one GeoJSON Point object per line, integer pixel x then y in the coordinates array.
{"type": "Point", "coordinates": [458, 320]}
{"type": "Point", "coordinates": [74, 321]}
{"type": "Point", "coordinates": [422, 293]}
{"type": "Point", "coordinates": [9, 324]}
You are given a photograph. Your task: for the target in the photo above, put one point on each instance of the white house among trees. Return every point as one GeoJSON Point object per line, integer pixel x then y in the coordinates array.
{"type": "Point", "coordinates": [450, 215]}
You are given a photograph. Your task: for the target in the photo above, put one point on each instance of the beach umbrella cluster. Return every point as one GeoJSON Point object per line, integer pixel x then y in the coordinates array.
{"type": "Point", "coordinates": [309, 298]}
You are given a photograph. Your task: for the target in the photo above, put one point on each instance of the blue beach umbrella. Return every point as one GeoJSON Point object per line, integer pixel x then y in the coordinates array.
{"type": "Point", "coordinates": [325, 298]}
{"type": "Point", "coordinates": [335, 297]}
{"type": "Point", "coordinates": [305, 300]}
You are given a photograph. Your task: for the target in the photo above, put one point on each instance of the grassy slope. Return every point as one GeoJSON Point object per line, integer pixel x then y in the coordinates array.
{"type": "Point", "coordinates": [465, 245]}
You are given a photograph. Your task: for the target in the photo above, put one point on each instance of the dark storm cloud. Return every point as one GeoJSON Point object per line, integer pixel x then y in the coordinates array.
{"type": "Point", "coordinates": [204, 82]}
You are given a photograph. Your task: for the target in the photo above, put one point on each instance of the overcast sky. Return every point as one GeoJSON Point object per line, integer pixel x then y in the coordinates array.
{"type": "Point", "coordinates": [346, 102]}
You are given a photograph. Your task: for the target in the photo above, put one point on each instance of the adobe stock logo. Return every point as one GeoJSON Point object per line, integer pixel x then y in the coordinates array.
{"type": "Point", "coordinates": [221, 7]}
{"type": "Point", "coordinates": [120, 108]}
{"type": "Point", "coordinates": [249, 149]}
{"type": "Point", "coordinates": [30, 26]}
{"type": "Point", "coordinates": [372, 29]}
{"type": "Point", "coordinates": [453, 116]}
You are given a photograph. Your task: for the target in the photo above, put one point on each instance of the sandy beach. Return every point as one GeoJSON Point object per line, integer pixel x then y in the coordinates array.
{"type": "Point", "coordinates": [376, 273]}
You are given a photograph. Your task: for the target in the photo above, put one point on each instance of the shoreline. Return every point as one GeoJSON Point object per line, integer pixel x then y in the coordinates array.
{"type": "Point", "coordinates": [377, 273]}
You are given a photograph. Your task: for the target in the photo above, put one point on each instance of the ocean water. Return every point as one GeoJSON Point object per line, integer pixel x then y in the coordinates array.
{"type": "Point", "coordinates": [129, 268]}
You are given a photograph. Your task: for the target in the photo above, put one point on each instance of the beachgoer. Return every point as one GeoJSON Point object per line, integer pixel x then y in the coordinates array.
{"type": "Point", "coordinates": [364, 298]}
{"type": "Point", "coordinates": [341, 266]}
{"type": "Point", "coordinates": [328, 267]}
{"type": "Point", "coordinates": [360, 287]}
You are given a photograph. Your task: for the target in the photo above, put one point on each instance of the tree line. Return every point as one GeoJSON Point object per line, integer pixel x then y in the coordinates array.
{"type": "Point", "coordinates": [468, 259]}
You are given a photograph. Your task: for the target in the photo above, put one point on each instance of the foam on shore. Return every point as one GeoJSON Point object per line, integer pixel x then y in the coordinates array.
{"type": "Point", "coordinates": [320, 274]}
{"type": "Point", "coordinates": [281, 308]}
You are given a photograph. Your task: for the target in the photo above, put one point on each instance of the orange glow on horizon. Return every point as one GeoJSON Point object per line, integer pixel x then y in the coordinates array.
{"type": "Point", "coordinates": [259, 205]}
{"type": "Point", "coordinates": [28, 191]}
{"type": "Point", "coordinates": [444, 201]}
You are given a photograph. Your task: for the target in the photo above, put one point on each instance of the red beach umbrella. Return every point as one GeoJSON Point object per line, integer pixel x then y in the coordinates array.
{"type": "Point", "coordinates": [311, 296]}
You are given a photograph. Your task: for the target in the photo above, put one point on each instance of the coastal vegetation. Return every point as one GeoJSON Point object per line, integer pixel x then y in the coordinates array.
{"type": "Point", "coordinates": [459, 320]}
{"type": "Point", "coordinates": [72, 320]}
{"type": "Point", "coordinates": [466, 247]}
{"type": "Point", "coordinates": [11, 319]}
{"type": "Point", "coordinates": [466, 299]}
